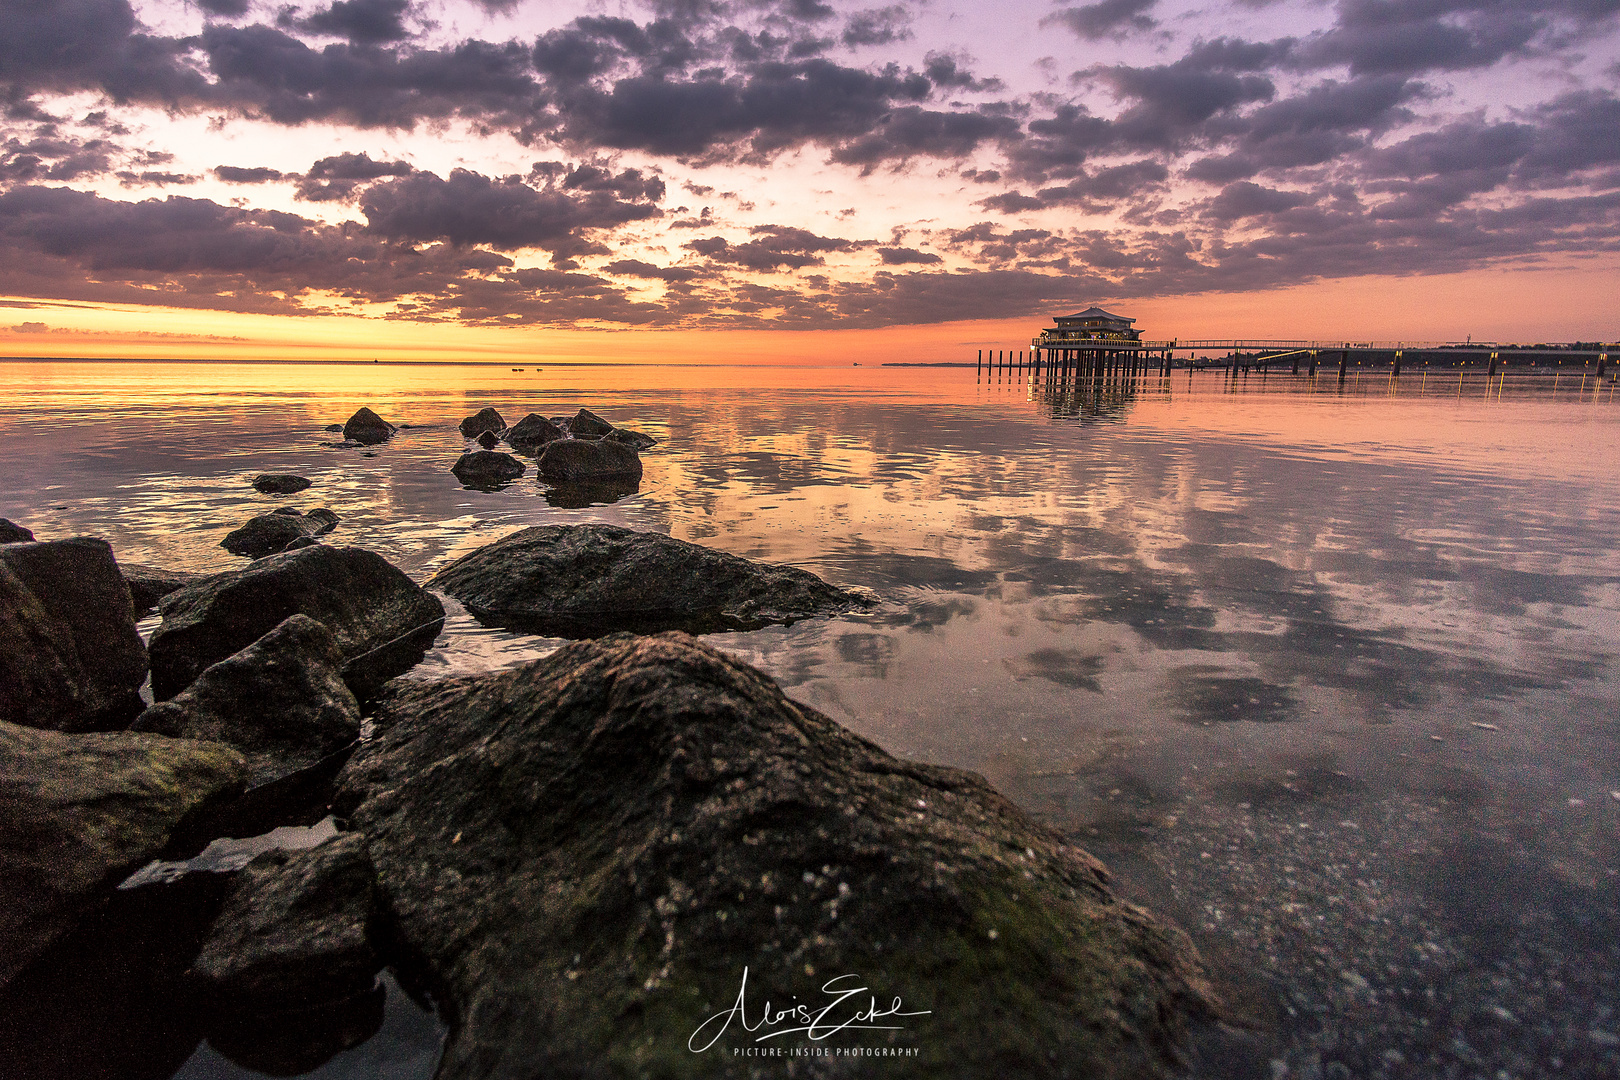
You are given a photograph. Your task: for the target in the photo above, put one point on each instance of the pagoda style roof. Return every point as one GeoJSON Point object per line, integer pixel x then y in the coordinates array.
{"type": "Point", "coordinates": [1097, 313]}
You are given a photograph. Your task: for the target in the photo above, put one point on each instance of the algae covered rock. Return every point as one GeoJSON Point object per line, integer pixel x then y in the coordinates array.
{"type": "Point", "coordinates": [79, 812]}
{"type": "Point", "coordinates": [602, 856]}
{"type": "Point", "coordinates": [382, 620]}
{"type": "Point", "coordinates": [583, 580]}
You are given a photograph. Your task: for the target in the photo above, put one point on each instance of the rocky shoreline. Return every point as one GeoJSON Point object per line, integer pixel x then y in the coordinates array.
{"type": "Point", "coordinates": [577, 859]}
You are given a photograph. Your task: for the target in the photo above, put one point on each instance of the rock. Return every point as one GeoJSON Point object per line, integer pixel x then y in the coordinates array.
{"type": "Point", "coordinates": [582, 460]}
{"type": "Point", "coordinates": [586, 422]}
{"type": "Point", "coordinates": [486, 468]}
{"type": "Point", "coordinates": [633, 439]}
{"type": "Point", "coordinates": [280, 483]}
{"type": "Point", "coordinates": [272, 532]}
{"type": "Point", "coordinates": [149, 584]}
{"type": "Point", "coordinates": [481, 421]}
{"type": "Point", "coordinates": [382, 620]}
{"type": "Point", "coordinates": [488, 440]}
{"type": "Point", "coordinates": [281, 702]}
{"type": "Point", "coordinates": [295, 930]}
{"type": "Point", "coordinates": [533, 432]}
{"type": "Point", "coordinates": [12, 533]}
{"type": "Point", "coordinates": [584, 580]}
{"type": "Point", "coordinates": [367, 428]}
{"type": "Point", "coordinates": [79, 812]}
{"type": "Point", "coordinates": [587, 852]}
{"type": "Point", "coordinates": [70, 658]}
{"type": "Point", "coordinates": [333, 427]}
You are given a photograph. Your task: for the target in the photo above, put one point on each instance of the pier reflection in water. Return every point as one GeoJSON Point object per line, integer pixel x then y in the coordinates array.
{"type": "Point", "coordinates": [1325, 673]}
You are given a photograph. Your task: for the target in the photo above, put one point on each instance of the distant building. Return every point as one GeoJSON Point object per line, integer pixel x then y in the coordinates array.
{"type": "Point", "coordinates": [1092, 324]}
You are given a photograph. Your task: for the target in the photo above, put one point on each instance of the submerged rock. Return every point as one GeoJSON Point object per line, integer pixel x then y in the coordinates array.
{"type": "Point", "coordinates": [70, 658]}
{"type": "Point", "coordinates": [273, 532]}
{"type": "Point", "coordinates": [382, 620]}
{"type": "Point", "coordinates": [574, 460]}
{"type": "Point", "coordinates": [585, 580]}
{"type": "Point", "coordinates": [481, 421]}
{"type": "Point", "coordinates": [280, 483]}
{"type": "Point", "coordinates": [150, 584]}
{"type": "Point", "coordinates": [633, 439]}
{"type": "Point", "coordinates": [281, 701]}
{"type": "Point", "coordinates": [486, 468]}
{"type": "Point", "coordinates": [79, 812]}
{"type": "Point", "coordinates": [532, 432]}
{"type": "Point", "coordinates": [295, 931]}
{"type": "Point", "coordinates": [367, 428]}
{"type": "Point", "coordinates": [588, 852]}
{"type": "Point", "coordinates": [586, 422]}
{"type": "Point", "coordinates": [12, 533]}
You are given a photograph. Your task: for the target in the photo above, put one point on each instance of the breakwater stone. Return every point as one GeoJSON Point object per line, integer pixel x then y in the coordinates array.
{"type": "Point", "coordinates": [584, 854]}
{"type": "Point", "coordinates": [586, 580]}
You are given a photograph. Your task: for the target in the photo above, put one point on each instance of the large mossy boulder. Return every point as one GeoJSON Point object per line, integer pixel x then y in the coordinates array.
{"type": "Point", "coordinates": [589, 461]}
{"type": "Point", "coordinates": [586, 580]}
{"type": "Point", "coordinates": [269, 533]}
{"type": "Point", "coordinates": [587, 853]}
{"type": "Point", "coordinates": [281, 701]}
{"type": "Point", "coordinates": [70, 658]}
{"type": "Point", "coordinates": [78, 812]}
{"type": "Point", "coordinates": [382, 620]}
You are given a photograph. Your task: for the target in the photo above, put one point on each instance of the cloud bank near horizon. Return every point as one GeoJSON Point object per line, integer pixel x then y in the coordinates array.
{"type": "Point", "coordinates": [788, 163]}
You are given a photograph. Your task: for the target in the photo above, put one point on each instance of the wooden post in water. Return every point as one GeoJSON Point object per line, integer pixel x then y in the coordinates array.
{"type": "Point", "coordinates": [978, 369]}
{"type": "Point", "coordinates": [1313, 364]}
{"type": "Point", "coordinates": [1344, 362]}
{"type": "Point", "coordinates": [1603, 358]}
{"type": "Point", "coordinates": [1397, 371]}
{"type": "Point", "coordinates": [1491, 371]}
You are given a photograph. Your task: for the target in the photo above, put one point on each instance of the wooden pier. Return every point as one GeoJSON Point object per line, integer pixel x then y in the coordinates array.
{"type": "Point", "coordinates": [1109, 361]}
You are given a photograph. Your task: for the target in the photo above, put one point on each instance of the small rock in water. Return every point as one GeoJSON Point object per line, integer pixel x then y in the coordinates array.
{"type": "Point", "coordinates": [630, 438]}
{"type": "Point", "coordinates": [12, 533]}
{"type": "Point", "coordinates": [488, 440]}
{"type": "Point", "coordinates": [367, 427]}
{"type": "Point", "coordinates": [150, 584]}
{"type": "Point", "coordinates": [275, 531]}
{"type": "Point", "coordinates": [279, 483]}
{"type": "Point", "coordinates": [295, 931]}
{"type": "Point", "coordinates": [333, 427]}
{"type": "Point", "coordinates": [481, 421]}
{"type": "Point", "coordinates": [487, 468]}
{"type": "Point", "coordinates": [582, 460]}
{"type": "Point", "coordinates": [532, 432]}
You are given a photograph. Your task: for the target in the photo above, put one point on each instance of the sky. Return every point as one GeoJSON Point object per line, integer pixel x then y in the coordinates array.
{"type": "Point", "coordinates": [802, 180]}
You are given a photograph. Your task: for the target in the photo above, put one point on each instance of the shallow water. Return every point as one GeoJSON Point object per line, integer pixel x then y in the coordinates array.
{"type": "Point", "coordinates": [1328, 675]}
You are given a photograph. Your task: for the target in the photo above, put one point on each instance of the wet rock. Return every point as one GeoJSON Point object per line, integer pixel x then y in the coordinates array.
{"type": "Point", "coordinates": [295, 930]}
{"type": "Point", "coordinates": [281, 701]}
{"type": "Point", "coordinates": [486, 468]}
{"type": "Point", "coordinates": [533, 432]}
{"type": "Point", "coordinates": [488, 440]}
{"type": "Point", "coordinates": [583, 580]}
{"type": "Point", "coordinates": [481, 421]}
{"type": "Point", "coordinates": [70, 658]}
{"type": "Point", "coordinates": [150, 584]}
{"type": "Point", "coordinates": [79, 812]}
{"type": "Point", "coordinates": [333, 427]}
{"type": "Point", "coordinates": [12, 533]}
{"type": "Point", "coordinates": [588, 460]}
{"type": "Point", "coordinates": [586, 422]}
{"type": "Point", "coordinates": [382, 620]}
{"type": "Point", "coordinates": [586, 853]}
{"type": "Point", "coordinates": [367, 428]}
{"type": "Point", "coordinates": [280, 483]}
{"type": "Point", "coordinates": [633, 439]}
{"type": "Point", "coordinates": [272, 532]}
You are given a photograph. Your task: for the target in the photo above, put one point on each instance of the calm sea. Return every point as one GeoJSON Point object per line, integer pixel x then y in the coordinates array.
{"type": "Point", "coordinates": [1326, 674]}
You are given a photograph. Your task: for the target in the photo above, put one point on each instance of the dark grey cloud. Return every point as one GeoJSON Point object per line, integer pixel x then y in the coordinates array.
{"type": "Point", "coordinates": [364, 22]}
{"type": "Point", "coordinates": [912, 131]}
{"type": "Point", "coordinates": [1109, 18]}
{"type": "Point", "coordinates": [774, 248]}
{"type": "Point", "coordinates": [229, 9]}
{"type": "Point", "coordinates": [1243, 199]}
{"type": "Point", "coordinates": [69, 45]}
{"type": "Point", "coordinates": [233, 174]}
{"type": "Point", "coordinates": [336, 178]}
{"type": "Point", "coordinates": [902, 256]}
{"type": "Point", "coordinates": [1094, 191]}
{"type": "Point", "coordinates": [49, 155]}
{"type": "Point", "coordinates": [642, 269]}
{"type": "Point", "coordinates": [877, 26]}
{"type": "Point", "coordinates": [507, 214]}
